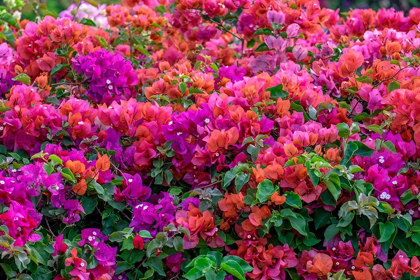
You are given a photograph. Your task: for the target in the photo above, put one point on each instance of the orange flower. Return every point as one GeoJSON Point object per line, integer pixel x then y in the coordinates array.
{"type": "Point", "coordinates": [321, 265]}
{"type": "Point", "coordinates": [282, 107]}
{"type": "Point", "coordinates": [333, 155]}
{"type": "Point", "coordinates": [290, 150]}
{"type": "Point", "coordinates": [278, 199]}
{"type": "Point", "coordinates": [76, 167]}
{"type": "Point", "coordinates": [222, 139]}
{"type": "Point", "coordinates": [350, 61]}
{"type": "Point", "coordinates": [103, 163]}
{"type": "Point", "coordinates": [363, 260]}
{"type": "Point", "coordinates": [362, 275]}
{"type": "Point", "coordinates": [393, 47]}
{"type": "Point", "coordinates": [81, 187]}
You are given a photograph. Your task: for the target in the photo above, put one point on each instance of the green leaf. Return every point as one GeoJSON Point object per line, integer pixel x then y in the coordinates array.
{"type": "Point", "coordinates": [229, 176]}
{"type": "Point", "coordinates": [263, 31]}
{"type": "Point", "coordinates": [312, 175]}
{"type": "Point", "coordinates": [386, 230]}
{"type": "Point", "coordinates": [240, 180]}
{"type": "Point", "coordinates": [343, 130]}
{"type": "Point", "coordinates": [89, 204]}
{"type": "Point", "coordinates": [88, 22]}
{"type": "Point", "coordinates": [346, 219]}
{"type": "Point", "coordinates": [354, 148]}
{"type": "Point", "coordinates": [5, 229]}
{"type": "Point", "coordinates": [293, 199]}
{"type": "Point", "coordinates": [48, 168]}
{"type": "Point", "coordinates": [58, 68]}
{"type": "Point", "coordinates": [183, 87]}
{"type": "Point", "coordinates": [102, 40]}
{"type": "Point", "coordinates": [299, 223]}
{"type": "Point", "coordinates": [416, 238]}
{"type": "Point", "coordinates": [193, 274]}
{"type": "Point", "coordinates": [330, 232]}
{"type": "Point", "coordinates": [141, 49]}
{"type": "Point", "coordinates": [56, 159]}
{"type": "Point", "coordinates": [253, 151]}
{"type": "Point", "coordinates": [179, 244]}
{"type": "Point", "coordinates": [215, 68]}
{"type": "Point", "coordinates": [322, 218]}
{"type": "Point", "coordinates": [66, 173]}
{"type": "Point", "coordinates": [23, 78]}
{"type": "Point", "coordinates": [145, 234]}
{"type": "Point", "coordinates": [156, 264]}
{"type": "Point", "coordinates": [242, 263]}
{"type": "Point", "coordinates": [265, 190]}
{"type": "Point", "coordinates": [278, 92]}
{"type": "Point", "coordinates": [5, 16]}
{"type": "Point", "coordinates": [389, 146]}
{"type": "Point", "coordinates": [262, 48]}
{"type": "Point", "coordinates": [364, 79]}
{"type": "Point", "coordinates": [298, 108]}
{"type": "Point", "coordinates": [375, 128]}
{"type": "Point", "coordinates": [233, 268]}
{"type": "Point", "coordinates": [8, 270]}
{"type": "Point", "coordinates": [393, 86]}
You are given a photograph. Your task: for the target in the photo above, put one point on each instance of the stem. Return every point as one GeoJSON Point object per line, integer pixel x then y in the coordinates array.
{"type": "Point", "coordinates": [49, 228]}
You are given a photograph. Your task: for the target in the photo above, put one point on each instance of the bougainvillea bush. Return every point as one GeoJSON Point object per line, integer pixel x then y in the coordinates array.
{"type": "Point", "coordinates": [209, 139]}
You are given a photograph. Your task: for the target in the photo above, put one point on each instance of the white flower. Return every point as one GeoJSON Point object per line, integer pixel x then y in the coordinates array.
{"type": "Point", "coordinates": [108, 82]}
{"type": "Point", "coordinates": [82, 264]}
{"type": "Point", "coordinates": [411, 211]}
{"type": "Point", "coordinates": [170, 123]}
{"type": "Point", "coordinates": [333, 248]}
{"type": "Point", "coordinates": [1, 128]}
{"type": "Point", "coordinates": [94, 233]}
{"type": "Point", "coordinates": [384, 195]}
{"type": "Point", "coordinates": [207, 120]}
{"type": "Point", "coordinates": [110, 87]}
{"type": "Point", "coordinates": [90, 238]}
{"type": "Point", "coordinates": [179, 133]}
{"type": "Point", "coordinates": [80, 123]}
{"type": "Point", "coordinates": [394, 182]}
{"type": "Point", "coordinates": [249, 236]}
{"type": "Point", "coordinates": [2, 182]}
{"type": "Point", "coordinates": [130, 180]}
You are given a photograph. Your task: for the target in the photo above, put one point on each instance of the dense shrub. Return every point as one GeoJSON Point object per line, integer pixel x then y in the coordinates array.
{"type": "Point", "coordinates": [209, 140]}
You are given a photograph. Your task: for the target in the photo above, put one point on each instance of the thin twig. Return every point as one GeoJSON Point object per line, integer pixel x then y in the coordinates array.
{"type": "Point", "coordinates": [49, 228]}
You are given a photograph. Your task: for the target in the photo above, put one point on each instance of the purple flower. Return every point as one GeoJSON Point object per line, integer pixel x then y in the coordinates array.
{"type": "Point", "coordinates": [106, 255]}
{"type": "Point", "coordinates": [134, 191]}
{"type": "Point", "coordinates": [276, 17]}
{"type": "Point", "coordinates": [234, 73]}
{"type": "Point", "coordinates": [91, 236]}
{"type": "Point", "coordinates": [109, 75]}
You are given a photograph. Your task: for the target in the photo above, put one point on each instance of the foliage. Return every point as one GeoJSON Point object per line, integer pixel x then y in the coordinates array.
{"type": "Point", "coordinates": [209, 140]}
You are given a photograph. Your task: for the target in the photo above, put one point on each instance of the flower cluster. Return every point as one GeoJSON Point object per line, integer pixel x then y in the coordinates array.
{"type": "Point", "coordinates": [232, 139]}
